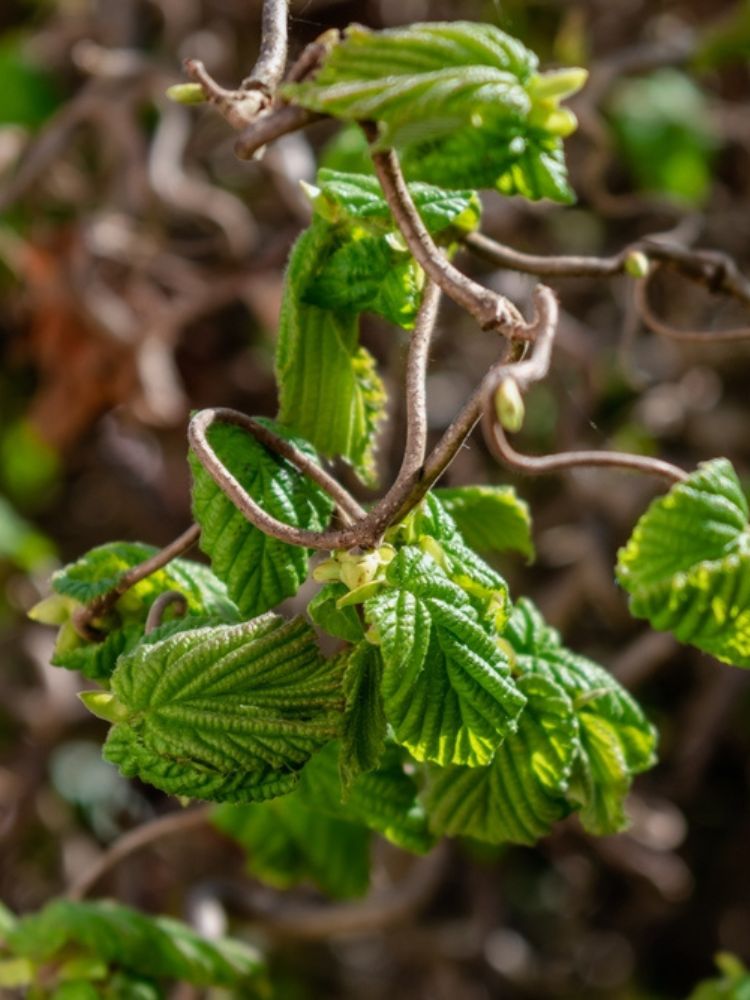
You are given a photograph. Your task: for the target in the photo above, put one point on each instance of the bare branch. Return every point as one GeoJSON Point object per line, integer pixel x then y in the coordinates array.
{"type": "Point", "coordinates": [170, 598]}
{"type": "Point", "coordinates": [717, 271]}
{"type": "Point", "coordinates": [382, 908]}
{"type": "Point", "coordinates": [653, 322]}
{"type": "Point", "coordinates": [490, 310]}
{"type": "Point", "coordinates": [134, 840]}
{"type": "Point", "coordinates": [281, 121]}
{"type": "Point", "coordinates": [256, 92]}
{"type": "Point", "coordinates": [269, 68]}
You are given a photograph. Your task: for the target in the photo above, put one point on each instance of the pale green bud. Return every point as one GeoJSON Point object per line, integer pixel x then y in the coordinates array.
{"type": "Point", "coordinates": [637, 264]}
{"type": "Point", "coordinates": [186, 93]}
{"type": "Point", "coordinates": [509, 405]}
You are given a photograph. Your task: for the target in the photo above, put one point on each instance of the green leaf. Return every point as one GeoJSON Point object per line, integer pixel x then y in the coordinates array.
{"type": "Point", "coordinates": [227, 713]}
{"type": "Point", "coordinates": [490, 518]}
{"type": "Point", "coordinates": [616, 739]}
{"type": "Point", "coordinates": [462, 103]}
{"type": "Point", "coordinates": [664, 128]}
{"type": "Point", "coordinates": [687, 564]}
{"type": "Point", "coordinates": [101, 570]}
{"type": "Point", "coordinates": [384, 799]}
{"type": "Point", "coordinates": [446, 685]}
{"type": "Point", "coordinates": [521, 794]}
{"type": "Point", "coordinates": [259, 571]}
{"type": "Point", "coordinates": [732, 984]}
{"type": "Point", "coordinates": [363, 728]}
{"type": "Point", "coordinates": [158, 947]}
{"type": "Point", "coordinates": [329, 390]}
{"type": "Point", "coordinates": [288, 842]}
{"type": "Point", "coordinates": [350, 198]}
{"type": "Point", "coordinates": [343, 623]}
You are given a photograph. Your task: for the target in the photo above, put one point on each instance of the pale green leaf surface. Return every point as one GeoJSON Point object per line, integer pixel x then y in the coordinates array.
{"type": "Point", "coordinates": [490, 518]}
{"type": "Point", "coordinates": [259, 571]}
{"type": "Point", "coordinates": [228, 713]}
{"type": "Point", "coordinates": [329, 389]}
{"type": "Point", "coordinates": [616, 739]}
{"type": "Point", "coordinates": [446, 685]}
{"type": "Point", "coordinates": [687, 564]}
{"type": "Point", "coordinates": [521, 794]}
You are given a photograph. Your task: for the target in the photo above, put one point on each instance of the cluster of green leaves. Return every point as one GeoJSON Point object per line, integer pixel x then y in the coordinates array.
{"type": "Point", "coordinates": [86, 951]}
{"type": "Point", "coordinates": [463, 104]}
{"type": "Point", "coordinates": [687, 564]}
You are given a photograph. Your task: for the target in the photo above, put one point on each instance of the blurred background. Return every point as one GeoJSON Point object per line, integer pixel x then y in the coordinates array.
{"type": "Point", "coordinates": [140, 277]}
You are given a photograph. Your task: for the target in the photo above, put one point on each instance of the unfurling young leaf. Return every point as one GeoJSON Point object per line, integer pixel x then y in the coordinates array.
{"type": "Point", "coordinates": [98, 572]}
{"type": "Point", "coordinates": [461, 102]}
{"type": "Point", "coordinates": [687, 564]}
{"type": "Point", "coordinates": [446, 686]}
{"type": "Point", "coordinates": [228, 713]}
{"type": "Point", "coordinates": [111, 945]}
{"type": "Point", "coordinates": [259, 571]}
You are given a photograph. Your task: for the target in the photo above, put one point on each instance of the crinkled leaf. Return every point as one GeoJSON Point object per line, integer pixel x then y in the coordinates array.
{"type": "Point", "coordinates": [329, 390]}
{"type": "Point", "coordinates": [446, 685]}
{"type": "Point", "coordinates": [435, 530]}
{"type": "Point", "coordinates": [490, 518]}
{"type": "Point", "coordinates": [461, 101]}
{"type": "Point", "coordinates": [99, 571]}
{"type": "Point", "coordinates": [616, 739]}
{"type": "Point", "coordinates": [288, 842]}
{"type": "Point", "coordinates": [150, 946]}
{"type": "Point", "coordinates": [521, 794]}
{"type": "Point", "coordinates": [687, 564]}
{"type": "Point", "coordinates": [385, 799]}
{"type": "Point", "coordinates": [259, 571]}
{"type": "Point", "coordinates": [343, 623]}
{"type": "Point", "coordinates": [228, 713]}
{"type": "Point", "coordinates": [363, 727]}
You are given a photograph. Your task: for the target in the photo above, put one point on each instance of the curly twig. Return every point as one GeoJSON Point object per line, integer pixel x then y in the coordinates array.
{"type": "Point", "coordinates": [368, 529]}
{"type": "Point", "coordinates": [134, 840]}
{"type": "Point", "coordinates": [490, 310]}
{"type": "Point", "coordinates": [524, 374]}
{"type": "Point", "coordinates": [658, 325]}
{"type": "Point", "coordinates": [170, 598]}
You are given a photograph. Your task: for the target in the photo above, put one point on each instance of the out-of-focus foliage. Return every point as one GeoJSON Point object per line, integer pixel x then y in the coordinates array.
{"type": "Point", "coordinates": [664, 130]}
